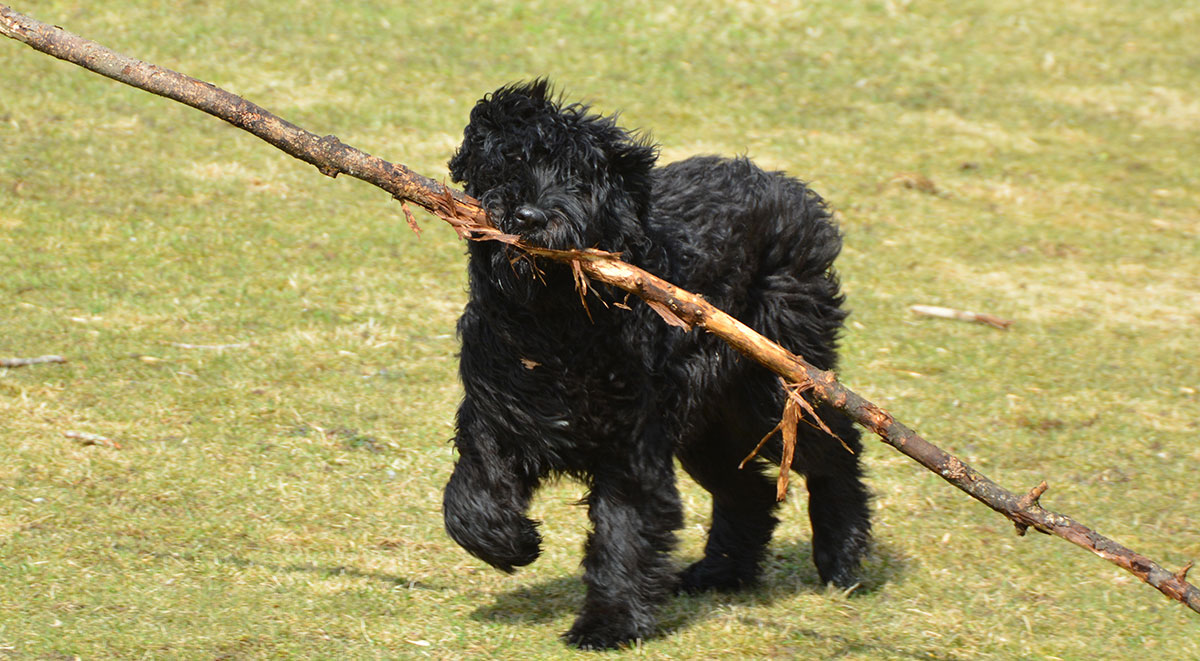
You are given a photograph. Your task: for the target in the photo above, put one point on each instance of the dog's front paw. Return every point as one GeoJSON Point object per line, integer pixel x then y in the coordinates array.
{"type": "Point", "coordinates": [609, 627]}
{"type": "Point", "coordinates": [504, 543]}
{"type": "Point", "coordinates": [594, 634]}
{"type": "Point", "coordinates": [522, 548]}
{"type": "Point", "coordinates": [488, 527]}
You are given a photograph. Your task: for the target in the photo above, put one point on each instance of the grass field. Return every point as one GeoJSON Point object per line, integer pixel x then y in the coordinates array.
{"type": "Point", "coordinates": [279, 498]}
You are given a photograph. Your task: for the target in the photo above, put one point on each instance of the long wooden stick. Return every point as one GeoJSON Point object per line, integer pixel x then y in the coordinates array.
{"type": "Point", "coordinates": [677, 306]}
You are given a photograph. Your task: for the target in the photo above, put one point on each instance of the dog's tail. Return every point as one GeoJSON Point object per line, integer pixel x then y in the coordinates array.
{"type": "Point", "coordinates": [798, 300]}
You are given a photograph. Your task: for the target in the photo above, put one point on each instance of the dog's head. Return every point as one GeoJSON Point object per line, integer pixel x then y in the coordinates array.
{"type": "Point", "coordinates": [555, 175]}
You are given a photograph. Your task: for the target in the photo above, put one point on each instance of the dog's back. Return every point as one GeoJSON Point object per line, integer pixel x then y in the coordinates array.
{"type": "Point", "coordinates": [759, 245]}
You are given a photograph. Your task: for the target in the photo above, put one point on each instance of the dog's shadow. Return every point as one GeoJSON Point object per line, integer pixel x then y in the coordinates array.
{"type": "Point", "coordinates": [531, 604]}
{"type": "Point", "coordinates": [787, 570]}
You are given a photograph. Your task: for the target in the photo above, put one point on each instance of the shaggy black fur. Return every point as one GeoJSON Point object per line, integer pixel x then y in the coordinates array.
{"type": "Point", "coordinates": [612, 395]}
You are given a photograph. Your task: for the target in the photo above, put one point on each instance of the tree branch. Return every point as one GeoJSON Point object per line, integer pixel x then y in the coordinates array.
{"type": "Point", "coordinates": [679, 307]}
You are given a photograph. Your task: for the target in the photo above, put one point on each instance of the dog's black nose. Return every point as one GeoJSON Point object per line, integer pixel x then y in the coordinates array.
{"type": "Point", "coordinates": [528, 216]}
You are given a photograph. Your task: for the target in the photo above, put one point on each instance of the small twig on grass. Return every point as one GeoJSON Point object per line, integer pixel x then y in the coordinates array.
{"type": "Point", "coordinates": [961, 315]}
{"type": "Point", "coordinates": [25, 362]}
{"type": "Point", "coordinates": [92, 439]}
{"type": "Point", "coordinates": [210, 347]}
{"type": "Point", "coordinates": [677, 306]}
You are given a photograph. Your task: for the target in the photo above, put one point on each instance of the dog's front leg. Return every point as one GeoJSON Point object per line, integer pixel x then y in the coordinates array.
{"type": "Point", "coordinates": [634, 512]}
{"type": "Point", "coordinates": [485, 501]}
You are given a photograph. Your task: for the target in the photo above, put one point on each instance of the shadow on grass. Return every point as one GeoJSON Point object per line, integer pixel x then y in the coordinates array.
{"type": "Point", "coordinates": [787, 571]}
{"type": "Point", "coordinates": [534, 604]}
{"type": "Point", "coordinates": [341, 570]}
{"type": "Point", "coordinates": [242, 563]}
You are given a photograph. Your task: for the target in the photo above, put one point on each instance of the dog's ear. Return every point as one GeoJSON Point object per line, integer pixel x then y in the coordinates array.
{"type": "Point", "coordinates": [636, 157]}
{"type": "Point", "coordinates": [631, 162]}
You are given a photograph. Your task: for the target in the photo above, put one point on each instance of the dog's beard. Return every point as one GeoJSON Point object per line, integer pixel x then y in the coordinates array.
{"type": "Point", "coordinates": [554, 231]}
{"type": "Point", "coordinates": [521, 275]}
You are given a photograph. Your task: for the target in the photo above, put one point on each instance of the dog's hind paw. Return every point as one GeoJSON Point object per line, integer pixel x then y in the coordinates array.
{"type": "Point", "coordinates": [722, 575]}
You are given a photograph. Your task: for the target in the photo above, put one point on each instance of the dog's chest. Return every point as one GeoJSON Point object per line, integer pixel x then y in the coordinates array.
{"type": "Point", "coordinates": [567, 390]}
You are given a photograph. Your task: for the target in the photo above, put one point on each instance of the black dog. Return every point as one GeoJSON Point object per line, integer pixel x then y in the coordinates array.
{"type": "Point", "coordinates": [610, 394]}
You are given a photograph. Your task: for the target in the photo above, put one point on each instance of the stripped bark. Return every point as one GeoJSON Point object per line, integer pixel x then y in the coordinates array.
{"type": "Point", "coordinates": [676, 306]}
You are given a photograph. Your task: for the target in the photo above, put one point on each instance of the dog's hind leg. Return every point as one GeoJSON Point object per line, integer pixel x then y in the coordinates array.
{"type": "Point", "coordinates": [838, 504]}
{"type": "Point", "coordinates": [742, 515]}
{"type": "Point", "coordinates": [635, 511]}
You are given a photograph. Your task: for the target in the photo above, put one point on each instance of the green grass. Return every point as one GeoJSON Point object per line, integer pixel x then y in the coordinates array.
{"type": "Point", "coordinates": [281, 500]}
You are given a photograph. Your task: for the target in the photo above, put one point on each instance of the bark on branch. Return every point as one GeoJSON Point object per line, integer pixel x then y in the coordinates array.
{"type": "Point", "coordinates": [679, 307]}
